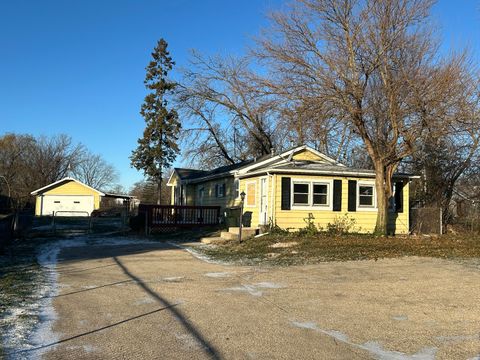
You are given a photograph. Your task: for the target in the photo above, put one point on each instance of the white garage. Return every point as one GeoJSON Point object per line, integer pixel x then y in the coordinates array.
{"type": "Point", "coordinates": [68, 205]}
{"type": "Point", "coordinates": [66, 197]}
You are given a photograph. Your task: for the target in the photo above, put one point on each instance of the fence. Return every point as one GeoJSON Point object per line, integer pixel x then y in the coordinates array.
{"type": "Point", "coordinates": [7, 224]}
{"type": "Point", "coordinates": [426, 220]}
{"type": "Point", "coordinates": [158, 216]}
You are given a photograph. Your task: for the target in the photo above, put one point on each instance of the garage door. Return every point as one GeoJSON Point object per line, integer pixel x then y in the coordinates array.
{"type": "Point", "coordinates": [67, 205]}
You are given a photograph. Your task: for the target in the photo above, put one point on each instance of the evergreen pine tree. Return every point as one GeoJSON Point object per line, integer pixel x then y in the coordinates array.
{"type": "Point", "coordinates": [158, 148]}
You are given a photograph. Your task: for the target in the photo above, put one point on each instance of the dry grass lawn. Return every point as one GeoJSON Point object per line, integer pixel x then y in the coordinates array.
{"type": "Point", "coordinates": [286, 249]}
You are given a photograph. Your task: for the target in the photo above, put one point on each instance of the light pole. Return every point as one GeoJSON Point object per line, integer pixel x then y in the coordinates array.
{"type": "Point", "coordinates": [242, 197]}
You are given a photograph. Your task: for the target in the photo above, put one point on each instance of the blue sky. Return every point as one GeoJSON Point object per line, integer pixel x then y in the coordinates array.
{"type": "Point", "coordinates": [77, 67]}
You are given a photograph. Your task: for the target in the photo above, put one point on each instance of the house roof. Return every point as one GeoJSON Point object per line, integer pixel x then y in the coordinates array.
{"type": "Point", "coordinates": [283, 162]}
{"type": "Point", "coordinates": [194, 174]}
{"type": "Point", "coordinates": [61, 182]}
{"type": "Point", "coordinates": [119, 196]}
{"type": "Point", "coordinates": [328, 168]}
{"type": "Point", "coordinates": [189, 173]}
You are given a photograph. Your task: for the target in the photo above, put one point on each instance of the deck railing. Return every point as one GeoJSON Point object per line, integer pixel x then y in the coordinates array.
{"type": "Point", "coordinates": [179, 216]}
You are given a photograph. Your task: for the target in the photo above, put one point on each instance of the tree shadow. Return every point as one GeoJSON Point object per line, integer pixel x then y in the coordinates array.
{"type": "Point", "coordinates": [91, 331]}
{"type": "Point", "coordinates": [208, 348]}
{"type": "Point", "coordinates": [114, 252]}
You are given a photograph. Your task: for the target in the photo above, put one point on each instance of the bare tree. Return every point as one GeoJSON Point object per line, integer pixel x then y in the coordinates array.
{"type": "Point", "coordinates": [446, 157]}
{"type": "Point", "coordinates": [94, 171]}
{"type": "Point", "coordinates": [16, 180]}
{"type": "Point", "coordinates": [367, 64]}
{"type": "Point", "coordinates": [52, 158]}
{"type": "Point", "coordinates": [146, 192]}
{"type": "Point", "coordinates": [28, 163]}
{"type": "Point", "coordinates": [230, 120]}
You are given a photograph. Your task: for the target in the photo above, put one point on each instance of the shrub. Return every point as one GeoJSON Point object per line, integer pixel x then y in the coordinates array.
{"type": "Point", "coordinates": [274, 229]}
{"type": "Point", "coordinates": [342, 225]}
{"type": "Point", "coordinates": [310, 229]}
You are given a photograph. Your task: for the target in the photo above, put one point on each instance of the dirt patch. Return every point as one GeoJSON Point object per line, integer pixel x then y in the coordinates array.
{"type": "Point", "coordinates": [284, 244]}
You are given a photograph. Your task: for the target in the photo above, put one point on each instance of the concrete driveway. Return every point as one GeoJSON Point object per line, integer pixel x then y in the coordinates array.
{"type": "Point", "coordinates": [155, 301]}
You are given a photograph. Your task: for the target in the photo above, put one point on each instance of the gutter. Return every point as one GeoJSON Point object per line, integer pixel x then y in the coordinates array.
{"type": "Point", "coordinates": [314, 172]}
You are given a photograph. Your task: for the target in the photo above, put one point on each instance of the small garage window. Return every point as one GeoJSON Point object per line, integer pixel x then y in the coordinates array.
{"type": "Point", "coordinates": [76, 202]}
{"type": "Point", "coordinates": [56, 202]}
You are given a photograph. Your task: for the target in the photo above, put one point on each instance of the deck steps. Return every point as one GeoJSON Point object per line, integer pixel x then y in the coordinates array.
{"type": "Point", "coordinates": [231, 234]}
{"type": "Point", "coordinates": [211, 240]}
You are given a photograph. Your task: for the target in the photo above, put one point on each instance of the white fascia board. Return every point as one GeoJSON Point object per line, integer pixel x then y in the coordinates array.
{"type": "Point", "coordinates": [35, 192]}
{"type": "Point", "coordinates": [170, 178]}
{"type": "Point", "coordinates": [282, 158]}
{"type": "Point", "coordinates": [320, 172]}
{"type": "Point", "coordinates": [207, 178]}
{"type": "Point", "coordinates": [272, 159]}
{"type": "Point", "coordinates": [312, 172]}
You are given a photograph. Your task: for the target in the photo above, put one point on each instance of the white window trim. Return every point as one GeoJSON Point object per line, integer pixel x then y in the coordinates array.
{"type": "Point", "coordinates": [201, 195]}
{"type": "Point", "coordinates": [218, 187]}
{"type": "Point", "coordinates": [329, 192]}
{"type": "Point", "coordinates": [222, 188]}
{"type": "Point", "coordinates": [295, 182]}
{"type": "Point", "coordinates": [310, 206]}
{"type": "Point", "coordinates": [246, 194]}
{"type": "Point", "coordinates": [364, 207]}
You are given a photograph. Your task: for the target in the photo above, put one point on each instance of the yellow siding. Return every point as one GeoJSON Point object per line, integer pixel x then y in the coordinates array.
{"type": "Point", "coordinates": [365, 220]}
{"type": "Point", "coordinates": [69, 188]}
{"type": "Point", "coordinates": [251, 211]}
{"type": "Point", "coordinates": [38, 205]}
{"type": "Point", "coordinates": [254, 211]}
{"type": "Point", "coordinates": [293, 219]}
{"type": "Point", "coordinates": [209, 198]}
{"type": "Point", "coordinates": [173, 182]}
{"type": "Point", "coordinates": [189, 194]}
{"type": "Point", "coordinates": [308, 156]}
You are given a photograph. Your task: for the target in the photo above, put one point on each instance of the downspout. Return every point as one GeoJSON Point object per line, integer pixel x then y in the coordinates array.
{"type": "Point", "coordinates": [272, 203]}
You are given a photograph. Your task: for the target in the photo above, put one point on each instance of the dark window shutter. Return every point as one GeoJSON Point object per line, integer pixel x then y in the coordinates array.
{"type": "Point", "coordinates": [352, 195]}
{"type": "Point", "coordinates": [216, 190]}
{"type": "Point", "coordinates": [399, 197]}
{"type": "Point", "coordinates": [337, 195]}
{"type": "Point", "coordinates": [224, 190]}
{"type": "Point", "coordinates": [286, 188]}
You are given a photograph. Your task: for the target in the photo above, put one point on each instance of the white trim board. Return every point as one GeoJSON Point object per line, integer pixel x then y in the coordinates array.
{"type": "Point", "coordinates": [52, 185]}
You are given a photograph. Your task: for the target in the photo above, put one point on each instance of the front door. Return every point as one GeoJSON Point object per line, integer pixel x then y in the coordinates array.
{"type": "Point", "coordinates": [263, 220]}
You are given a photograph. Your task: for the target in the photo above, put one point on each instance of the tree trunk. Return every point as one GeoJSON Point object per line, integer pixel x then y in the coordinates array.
{"type": "Point", "coordinates": [382, 214]}
{"type": "Point", "coordinates": [384, 191]}
{"type": "Point", "coordinates": [159, 191]}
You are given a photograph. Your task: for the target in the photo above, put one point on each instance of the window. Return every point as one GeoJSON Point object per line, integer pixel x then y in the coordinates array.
{"type": "Point", "coordinates": [56, 202]}
{"type": "Point", "coordinates": [220, 190]}
{"type": "Point", "coordinates": [201, 194]}
{"type": "Point", "coordinates": [320, 194]}
{"type": "Point", "coordinates": [312, 194]}
{"type": "Point", "coordinates": [365, 196]}
{"type": "Point", "coordinates": [76, 202]}
{"type": "Point", "coordinates": [301, 193]}
{"type": "Point", "coordinates": [236, 185]}
{"type": "Point", "coordinates": [251, 193]}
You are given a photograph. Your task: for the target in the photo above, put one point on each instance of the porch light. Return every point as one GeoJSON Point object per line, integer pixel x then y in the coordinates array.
{"type": "Point", "coordinates": [240, 225]}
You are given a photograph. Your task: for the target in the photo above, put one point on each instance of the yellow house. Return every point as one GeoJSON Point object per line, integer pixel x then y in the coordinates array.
{"type": "Point", "coordinates": [292, 188]}
{"type": "Point", "coordinates": [66, 197]}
